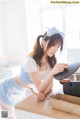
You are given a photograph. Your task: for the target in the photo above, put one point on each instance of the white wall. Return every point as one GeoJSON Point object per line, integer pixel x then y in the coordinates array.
{"type": "Point", "coordinates": [33, 20]}
{"type": "Point", "coordinates": [73, 55]}
{"type": "Point", "coordinates": [16, 40]}
{"type": "Point", "coordinates": [20, 24]}
{"type": "Point", "coordinates": [2, 29]}
{"type": "Point", "coordinates": [13, 30]}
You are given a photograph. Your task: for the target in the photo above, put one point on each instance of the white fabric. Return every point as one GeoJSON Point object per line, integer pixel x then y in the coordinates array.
{"type": "Point", "coordinates": [29, 65]}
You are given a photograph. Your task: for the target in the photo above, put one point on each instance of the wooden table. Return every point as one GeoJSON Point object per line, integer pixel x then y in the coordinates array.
{"type": "Point", "coordinates": [43, 108]}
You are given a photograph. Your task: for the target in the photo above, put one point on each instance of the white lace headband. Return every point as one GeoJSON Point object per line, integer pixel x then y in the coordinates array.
{"type": "Point", "coordinates": [53, 30]}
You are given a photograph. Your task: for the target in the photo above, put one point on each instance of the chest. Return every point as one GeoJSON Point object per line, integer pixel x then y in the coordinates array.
{"type": "Point", "coordinates": [44, 71]}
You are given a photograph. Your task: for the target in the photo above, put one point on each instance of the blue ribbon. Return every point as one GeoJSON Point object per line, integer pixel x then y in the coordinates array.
{"type": "Point", "coordinates": [53, 30]}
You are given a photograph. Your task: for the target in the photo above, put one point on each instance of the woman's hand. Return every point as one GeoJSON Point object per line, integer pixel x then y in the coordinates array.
{"type": "Point", "coordinates": [40, 96]}
{"type": "Point", "coordinates": [59, 68]}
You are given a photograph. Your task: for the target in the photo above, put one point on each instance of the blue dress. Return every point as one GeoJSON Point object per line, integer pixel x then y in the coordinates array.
{"type": "Point", "coordinates": [11, 92]}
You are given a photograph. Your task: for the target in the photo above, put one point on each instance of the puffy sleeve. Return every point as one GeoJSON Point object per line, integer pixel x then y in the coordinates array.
{"type": "Point", "coordinates": [29, 65]}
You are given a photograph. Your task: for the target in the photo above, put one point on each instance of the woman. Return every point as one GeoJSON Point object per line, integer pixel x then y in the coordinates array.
{"type": "Point", "coordinates": [38, 68]}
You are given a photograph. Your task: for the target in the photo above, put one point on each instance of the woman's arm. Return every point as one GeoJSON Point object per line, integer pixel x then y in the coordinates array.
{"type": "Point", "coordinates": [42, 86]}
{"type": "Point", "coordinates": [49, 88]}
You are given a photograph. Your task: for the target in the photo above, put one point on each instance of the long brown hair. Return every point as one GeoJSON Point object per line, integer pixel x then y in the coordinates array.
{"type": "Point", "coordinates": [38, 53]}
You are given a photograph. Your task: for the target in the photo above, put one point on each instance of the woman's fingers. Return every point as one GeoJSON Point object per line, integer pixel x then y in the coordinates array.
{"type": "Point", "coordinates": [59, 68]}
{"type": "Point", "coordinates": [40, 96]}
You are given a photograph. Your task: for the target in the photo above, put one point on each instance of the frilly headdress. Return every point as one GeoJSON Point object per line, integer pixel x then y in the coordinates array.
{"type": "Point", "coordinates": [53, 30]}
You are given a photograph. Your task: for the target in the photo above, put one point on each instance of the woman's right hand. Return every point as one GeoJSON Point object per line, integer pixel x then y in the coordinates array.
{"type": "Point", "coordinates": [59, 68]}
{"type": "Point", "coordinates": [40, 96]}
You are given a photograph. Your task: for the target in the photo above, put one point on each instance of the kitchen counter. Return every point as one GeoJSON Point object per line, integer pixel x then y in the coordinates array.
{"type": "Point", "coordinates": [43, 108]}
